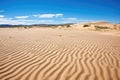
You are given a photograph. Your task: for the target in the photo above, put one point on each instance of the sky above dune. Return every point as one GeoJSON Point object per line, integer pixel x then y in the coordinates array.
{"type": "Point", "coordinates": [58, 11]}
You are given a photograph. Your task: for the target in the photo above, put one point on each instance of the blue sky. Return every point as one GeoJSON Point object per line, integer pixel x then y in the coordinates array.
{"type": "Point", "coordinates": [58, 11]}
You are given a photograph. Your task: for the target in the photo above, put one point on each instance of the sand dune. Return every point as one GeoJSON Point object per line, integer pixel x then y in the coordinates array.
{"type": "Point", "coordinates": [52, 54]}
{"type": "Point", "coordinates": [97, 26]}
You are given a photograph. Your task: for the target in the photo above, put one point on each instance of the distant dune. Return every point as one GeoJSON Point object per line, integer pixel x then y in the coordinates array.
{"type": "Point", "coordinates": [98, 25]}
{"type": "Point", "coordinates": [58, 54]}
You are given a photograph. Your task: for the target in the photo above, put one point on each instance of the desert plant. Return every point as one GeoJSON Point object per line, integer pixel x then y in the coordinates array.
{"type": "Point", "coordinates": [25, 27]}
{"type": "Point", "coordinates": [86, 25]}
{"type": "Point", "coordinates": [53, 27]}
{"type": "Point", "coordinates": [68, 26]}
{"type": "Point", "coordinates": [101, 27]}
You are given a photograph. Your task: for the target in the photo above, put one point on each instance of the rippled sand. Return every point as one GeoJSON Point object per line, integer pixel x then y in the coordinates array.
{"type": "Point", "coordinates": [53, 54]}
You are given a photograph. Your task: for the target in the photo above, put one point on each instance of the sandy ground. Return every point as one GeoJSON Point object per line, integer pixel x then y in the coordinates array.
{"type": "Point", "coordinates": [53, 54]}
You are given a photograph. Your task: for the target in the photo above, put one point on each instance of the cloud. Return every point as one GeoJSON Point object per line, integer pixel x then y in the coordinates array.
{"type": "Point", "coordinates": [12, 21]}
{"type": "Point", "coordinates": [58, 15]}
{"type": "Point", "coordinates": [21, 17]}
{"type": "Point", "coordinates": [28, 22]}
{"type": "Point", "coordinates": [24, 21]}
{"type": "Point", "coordinates": [48, 15]}
{"type": "Point", "coordinates": [69, 20]}
{"type": "Point", "coordinates": [44, 15]}
{"type": "Point", "coordinates": [2, 16]}
{"type": "Point", "coordinates": [9, 21]}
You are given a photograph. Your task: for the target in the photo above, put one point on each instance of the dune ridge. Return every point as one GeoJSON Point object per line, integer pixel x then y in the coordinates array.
{"type": "Point", "coordinates": [41, 54]}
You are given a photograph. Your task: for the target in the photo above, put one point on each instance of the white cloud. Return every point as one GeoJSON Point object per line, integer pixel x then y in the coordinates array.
{"type": "Point", "coordinates": [69, 20]}
{"type": "Point", "coordinates": [44, 15]}
{"type": "Point", "coordinates": [11, 21]}
{"type": "Point", "coordinates": [21, 17]}
{"type": "Point", "coordinates": [28, 22]}
{"type": "Point", "coordinates": [2, 16]}
{"type": "Point", "coordinates": [48, 15]}
{"type": "Point", "coordinates": [59, 15]}
{"type": "Point", "coordinates": [23, 20]}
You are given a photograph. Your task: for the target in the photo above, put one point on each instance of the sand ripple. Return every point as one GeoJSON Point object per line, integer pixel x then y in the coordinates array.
{"type": "Point", "coordinates": [41, 54]}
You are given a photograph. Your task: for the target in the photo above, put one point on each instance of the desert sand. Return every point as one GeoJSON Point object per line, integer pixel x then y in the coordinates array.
{"type": "Point", "coordinates": [58, 54]}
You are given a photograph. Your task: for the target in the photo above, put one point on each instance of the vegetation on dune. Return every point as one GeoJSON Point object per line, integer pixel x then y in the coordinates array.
{"type": "Point", "coordinates": [68, 26]}
{"type": "Point", "coordinates": [117, 27]}
{"type": "Point", "coordinates": [86, 25]}
{"type": "Point", "coordinates": [101, 28]}
{"type": "Point", "coordinates": [27, 27]}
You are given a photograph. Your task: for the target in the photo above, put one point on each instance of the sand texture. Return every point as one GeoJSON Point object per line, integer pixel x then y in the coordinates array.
{"type": "Point", "coordinates": [53, 54]}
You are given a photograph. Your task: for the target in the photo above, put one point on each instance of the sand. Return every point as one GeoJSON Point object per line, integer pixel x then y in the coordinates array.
{"type": "Point", "coordinates": [53, 54]}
